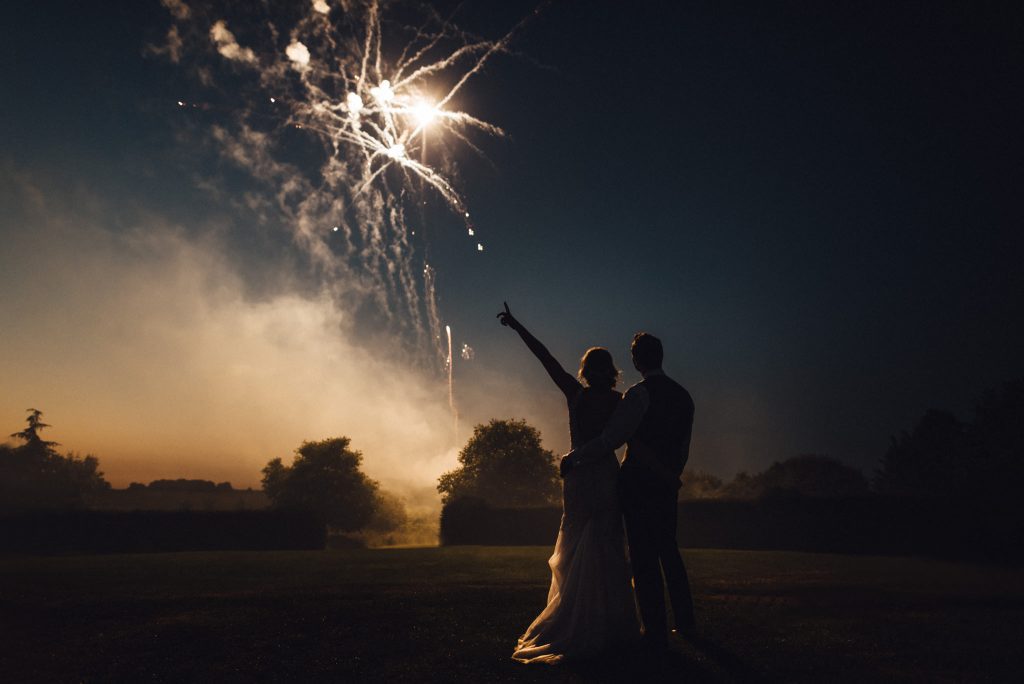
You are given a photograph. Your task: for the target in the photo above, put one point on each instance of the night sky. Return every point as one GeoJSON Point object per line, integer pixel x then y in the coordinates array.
{"type": "Point", "coordinates": [817, 208]}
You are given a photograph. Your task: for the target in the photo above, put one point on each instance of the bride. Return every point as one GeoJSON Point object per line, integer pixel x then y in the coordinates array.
{"type": "Point", "coordinates": [590, 603]}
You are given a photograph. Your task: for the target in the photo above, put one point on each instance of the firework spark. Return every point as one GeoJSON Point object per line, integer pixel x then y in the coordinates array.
{"type": "Point", "coordinates": [380, 100]}
{"type": "Point", "coordinates": [382, 109]}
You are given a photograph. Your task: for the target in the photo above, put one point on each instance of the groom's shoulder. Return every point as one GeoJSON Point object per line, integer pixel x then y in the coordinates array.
{"type": "Point", "coordinates": [677, 389]}
{"type": "Point", "coordinates": [636, 388]}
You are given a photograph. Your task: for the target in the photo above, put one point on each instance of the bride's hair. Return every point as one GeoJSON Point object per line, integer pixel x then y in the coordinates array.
{"type": "Point", "coordinates": [597, 369]}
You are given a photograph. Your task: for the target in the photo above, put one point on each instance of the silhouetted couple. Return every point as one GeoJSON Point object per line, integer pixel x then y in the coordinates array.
{"type": "Point", "coordinates": [591, 607]}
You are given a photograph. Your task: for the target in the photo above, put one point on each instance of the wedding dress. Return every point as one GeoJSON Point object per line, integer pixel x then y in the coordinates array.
{"type": "Point", "coordinates": [590, 603]}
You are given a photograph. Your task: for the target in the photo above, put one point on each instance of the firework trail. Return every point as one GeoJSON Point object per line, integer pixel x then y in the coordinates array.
{"type": "Point", "coordinates": [450, 363]}
{"type": "Point", "coordinates": [345, 111]}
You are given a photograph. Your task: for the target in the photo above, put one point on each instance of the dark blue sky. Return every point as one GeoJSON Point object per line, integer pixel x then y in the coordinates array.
{"type": "Point", "coordinates": [816, 207]}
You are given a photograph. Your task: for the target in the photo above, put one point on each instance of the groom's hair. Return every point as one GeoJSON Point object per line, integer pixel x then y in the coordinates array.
{"type": "Point", "coordinates": [647, 351]}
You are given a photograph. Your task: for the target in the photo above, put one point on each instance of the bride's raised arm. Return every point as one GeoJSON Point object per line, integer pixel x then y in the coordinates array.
{"type": "Point", "coordinates": [566, 382]}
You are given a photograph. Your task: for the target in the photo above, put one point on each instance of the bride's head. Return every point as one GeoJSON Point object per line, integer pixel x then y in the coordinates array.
{"type": "Point", "coordinates": [597, 369]}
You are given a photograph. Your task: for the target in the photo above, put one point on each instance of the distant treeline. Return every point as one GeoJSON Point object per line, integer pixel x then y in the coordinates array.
{"type": "Point", "coordinates": [142, 498]}
{"type": "Point", "coordinates": [947, 528]}
{"type": "Point", "coordinates": [942, 456]}
{"type": "Point", "coordinates": [947, 487]}
{"type": "Point", "coordinates": [183, 485]}
{"type": "Point", "coordinates": [81, 531]}
{"type": "Point", "coordinates": [324, 479]}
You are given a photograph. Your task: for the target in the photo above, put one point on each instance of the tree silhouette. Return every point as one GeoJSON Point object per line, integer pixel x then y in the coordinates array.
{"type": "Point", "coordinates": [700, 484]}
{"type": "Point", "coordinates": [30, 435]}
{"type": "Point", "coordinates": [999, 433]}
{"type": "Point", "coordinates": [812, 475]}
{"type": "Point", "coordinates": [34, 475]}
{"type": "Point", "coordinates": [504, 464]}
{"type": "Point", "coordinates": [937, 458]}
{"type": "Point", "coordinates": [324, 478]}
{"type": "Point", "coordinates": [742, 486]}
{"type": "Point", "coordinates": [945, 457]}
{"type": "Point", "coordinates": [389, 513]}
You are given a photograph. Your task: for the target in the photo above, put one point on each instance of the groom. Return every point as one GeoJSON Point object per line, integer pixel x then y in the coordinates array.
{"type": "Point", "coordinates": [655, 419]}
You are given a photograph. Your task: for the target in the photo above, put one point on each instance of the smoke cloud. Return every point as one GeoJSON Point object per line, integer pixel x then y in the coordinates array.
{"type": "Point", "coordinates": [142, 346]}
{"type": "Point", "coordinates": [178, 9]}
{"type": "Point", "coordinates": [149, 344]}
{"type": "Point", "coordinates": [298, 53]}
{"type": "Point", "coordinates": [227, 46]}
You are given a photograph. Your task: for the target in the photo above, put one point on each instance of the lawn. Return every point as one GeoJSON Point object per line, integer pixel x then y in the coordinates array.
{"type": "Point", "coordinates": [453, 614]}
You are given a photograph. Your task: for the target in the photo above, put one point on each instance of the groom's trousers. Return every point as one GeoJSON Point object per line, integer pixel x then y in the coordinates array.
{"type": "Point", "coordinates": [650, 510]}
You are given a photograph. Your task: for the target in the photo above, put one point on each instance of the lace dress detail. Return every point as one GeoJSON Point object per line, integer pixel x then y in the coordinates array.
{"type": "Point", "coordinates": [590, 603]}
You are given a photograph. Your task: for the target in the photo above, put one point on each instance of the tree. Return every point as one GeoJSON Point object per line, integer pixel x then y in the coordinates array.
{"type": "Point", "coordinates": [937, 458]}
{"type": "Point", "coordinates": [812, 475]}
{"type": "Point", "coordinates": [945, 457]}
{"type": "Point", "coordinates": [742, 486]}
{"type": "Point", "coordinates": [999, 433]}
{"type": "Point", "coordinates": [30, 435]}
{"type": "Point", "coordinates": [389, 523]}
{"type": "Point", "coordinates": [389, 513]}
{"type": "Point", "coordinates": [324, 478]}
{"type": "Point", "coordinates": [34, 475]}
{"type": "Point", "coordinates": [504, 464]}
{"type": "Point", "coordinates": [699, 484]}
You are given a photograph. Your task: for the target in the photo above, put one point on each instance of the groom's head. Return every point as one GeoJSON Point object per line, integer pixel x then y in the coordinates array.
{"type": "Point", "coordinates": [647, 352]}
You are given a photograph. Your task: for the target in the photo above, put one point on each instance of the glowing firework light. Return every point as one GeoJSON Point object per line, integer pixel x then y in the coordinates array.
{"type": "Point", "coordinates": [377, 97]}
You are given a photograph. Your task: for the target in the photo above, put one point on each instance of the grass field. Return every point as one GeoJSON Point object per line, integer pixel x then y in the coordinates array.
{"type": "Point", "coordinates": [453, 614]}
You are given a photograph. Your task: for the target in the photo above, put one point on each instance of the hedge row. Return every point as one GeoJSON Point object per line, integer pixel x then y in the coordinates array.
{"type": "Point", "coordinates": [867, 525]}
{"type": "Point", "coordinates": [84, 531]}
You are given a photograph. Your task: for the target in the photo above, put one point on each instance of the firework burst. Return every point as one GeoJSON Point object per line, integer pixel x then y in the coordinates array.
{"type": "Point", "coordinates": [386, 111]}
{"type": "Point", "coordinates": [374, 88]}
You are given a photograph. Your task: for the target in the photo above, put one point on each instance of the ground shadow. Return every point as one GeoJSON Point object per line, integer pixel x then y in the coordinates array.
{"type": "Point", "coordinates": [694, 659]}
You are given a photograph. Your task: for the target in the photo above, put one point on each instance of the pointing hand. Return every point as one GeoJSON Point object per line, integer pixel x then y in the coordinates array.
{"type": "Point", "coordinates": [506, 318]}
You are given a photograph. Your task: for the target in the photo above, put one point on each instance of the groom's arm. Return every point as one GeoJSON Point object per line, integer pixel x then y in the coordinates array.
{"type": "Point", "coordinates": [621, 426]}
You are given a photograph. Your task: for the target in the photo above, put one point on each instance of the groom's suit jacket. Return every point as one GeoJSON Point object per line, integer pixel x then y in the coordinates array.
{"type": "Point", "coordinates": [666, 425]}
{"type": "Point", "coordinates": [655, 415]}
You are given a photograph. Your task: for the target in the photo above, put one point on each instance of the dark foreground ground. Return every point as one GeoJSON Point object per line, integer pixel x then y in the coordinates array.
{"type": "Point", "coordinates": [452, 614]}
